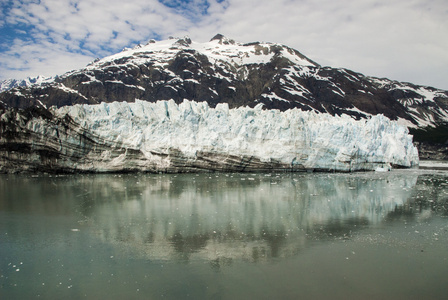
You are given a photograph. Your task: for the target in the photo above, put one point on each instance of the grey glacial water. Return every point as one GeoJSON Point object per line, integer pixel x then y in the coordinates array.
{"type": "Point", "coordinates": [225, 236]}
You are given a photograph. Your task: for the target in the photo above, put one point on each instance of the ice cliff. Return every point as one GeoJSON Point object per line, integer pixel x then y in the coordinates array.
{"type": "Point", "coordinates": [192, 136]}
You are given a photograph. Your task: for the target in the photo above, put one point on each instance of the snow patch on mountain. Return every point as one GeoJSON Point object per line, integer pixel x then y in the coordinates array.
{"type": "Point", "coordinates": [236, 54]}
{"type": "Point", "coordinates": [69, 90]}
{"type": "Point", "coordinates": [411, 94]}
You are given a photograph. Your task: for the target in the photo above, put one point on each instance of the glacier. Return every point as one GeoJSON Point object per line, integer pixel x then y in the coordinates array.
{"type": "Point", "coordinates": [193, 137]}
{"type": "Point", "coordinates": [261, 139]}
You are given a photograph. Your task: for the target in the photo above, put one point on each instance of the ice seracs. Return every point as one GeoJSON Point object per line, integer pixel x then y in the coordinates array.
{"type": "Point", "coordinates": [245, 138]}
{"type": "Point", "coordinates": [194, 137]}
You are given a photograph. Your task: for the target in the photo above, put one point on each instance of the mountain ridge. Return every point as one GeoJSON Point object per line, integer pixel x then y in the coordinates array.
{"type": "Point", "coordinates": [225, 71]}
{"type": "Point", "coordinates": [10, 83]}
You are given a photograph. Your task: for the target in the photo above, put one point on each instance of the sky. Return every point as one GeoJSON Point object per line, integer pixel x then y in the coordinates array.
{"type": "Point", "coordinates": [405, 40]}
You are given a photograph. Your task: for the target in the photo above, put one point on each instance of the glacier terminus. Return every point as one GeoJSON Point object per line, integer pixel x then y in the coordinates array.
{"type": "Point", "coordinates": [193, 137]}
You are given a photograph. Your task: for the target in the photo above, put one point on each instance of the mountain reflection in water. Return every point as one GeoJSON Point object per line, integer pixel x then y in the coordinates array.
{"type": "Point", "coordinates": [225, 236]}
{"type": "Point", "coordinates": [222, 217]}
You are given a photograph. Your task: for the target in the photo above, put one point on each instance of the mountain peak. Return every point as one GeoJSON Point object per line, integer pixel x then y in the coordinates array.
{"type": "Point", "coordinates": [185, 41]}
{"type": "Point", "coordinates": [222, 40]}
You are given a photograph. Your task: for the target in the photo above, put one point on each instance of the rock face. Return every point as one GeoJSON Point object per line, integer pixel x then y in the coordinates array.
{"type": "Point", "coordinates": [64, 124]}
{"type": "Point", "coordinates": [192, 137]}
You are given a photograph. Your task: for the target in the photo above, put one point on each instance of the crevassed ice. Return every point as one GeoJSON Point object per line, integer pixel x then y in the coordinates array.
{"type": "Point", "coordinates": [308, 139]}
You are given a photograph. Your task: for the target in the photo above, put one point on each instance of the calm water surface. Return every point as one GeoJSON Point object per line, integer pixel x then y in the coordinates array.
{"type": "Point", "coordinates": [225, 236]}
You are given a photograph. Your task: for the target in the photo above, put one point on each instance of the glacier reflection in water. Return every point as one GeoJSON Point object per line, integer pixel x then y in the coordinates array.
{"type": "Point", "coordinates": [236, 216]}
{"type": "Point", "coordinates": [224, 236]}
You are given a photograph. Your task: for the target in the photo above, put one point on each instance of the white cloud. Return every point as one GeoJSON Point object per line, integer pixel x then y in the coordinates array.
{"type": "Point", "coordinates": [43, 58]}
{"type": "Point", "coordinates": [399, 39]}
{"type": "Point", "coordinates": [68, 33]}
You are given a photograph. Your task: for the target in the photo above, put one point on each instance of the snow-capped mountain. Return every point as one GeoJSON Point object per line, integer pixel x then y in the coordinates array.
{"type": "Point", "coordinates": [9, 84]}
{"type": "Point", "coordinates": [149, 109]}
{"type": "Point", "coordinates": [224, 71]}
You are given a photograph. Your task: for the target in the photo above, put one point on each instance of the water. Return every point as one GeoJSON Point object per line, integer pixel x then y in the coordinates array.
{"type": "Point", "coordinates": [225, 236]}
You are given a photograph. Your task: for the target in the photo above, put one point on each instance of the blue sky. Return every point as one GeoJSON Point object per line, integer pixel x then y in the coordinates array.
{"type": "Point", "coordinates": [406, 40]}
